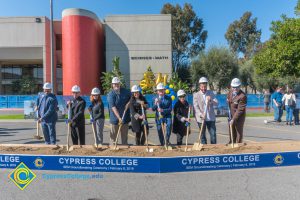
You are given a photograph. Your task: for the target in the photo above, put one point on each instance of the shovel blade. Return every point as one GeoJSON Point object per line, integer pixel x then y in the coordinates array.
{"type": "Point", "coordinates": [187, 149]}
{"type": "Point", "coordinates": [235, 145]}
{"type": "Point", "coordinates": [197, 146]}
{"type": "Point", "coordinates": [149, 150]}
{"type": "Point", "coordinates": [37, 137]}
{"type": "Point", "coordinates": [114, 148]}
{"type": "Point", "coordinates": [169, 148]}
{"type": "Point", "coordinates": [69, 148]}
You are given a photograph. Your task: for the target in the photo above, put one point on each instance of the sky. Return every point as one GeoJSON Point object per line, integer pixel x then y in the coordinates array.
{"type": "Point", "coordinates": [216, 14]}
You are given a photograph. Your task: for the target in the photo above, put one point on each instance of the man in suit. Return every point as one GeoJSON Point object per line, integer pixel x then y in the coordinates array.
{"type": "Point", "coordinates": [237, 101]}
{"type": "Point", "coordinates": [117, 99]}
{"type": "Point", "coordinates": [47, 116]}
{"type": "Point", "coordinates": [162, 106]}
{"type": "Point", "coordinates": [77, 106]}
{"type": "Point", "coordinates": [204, 101]}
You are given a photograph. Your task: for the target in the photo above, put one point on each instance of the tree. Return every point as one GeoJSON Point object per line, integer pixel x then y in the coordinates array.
{"type": "Point", "coordinates": [243, 36]}
{"type": "Point", "coordinates": [246, 74]}
{"type": "Point", "coordinates": [279, 58]}
{"type": "Point", "coordinates": [26, 85]}
{"type": "Point", "coordinates": [297, 8]}
{"type": "Point", "coordinates": [219, 65]}
{"type": "Point", "coordinates": [108, 76]}
{"type": "Point", "coordinates": [188, 34]}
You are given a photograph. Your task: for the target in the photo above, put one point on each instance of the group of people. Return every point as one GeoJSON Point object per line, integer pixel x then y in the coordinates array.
{"type": "Point", "coordinates": [126, 106]}
{"type": "Point", "coordinates": [285, 101]}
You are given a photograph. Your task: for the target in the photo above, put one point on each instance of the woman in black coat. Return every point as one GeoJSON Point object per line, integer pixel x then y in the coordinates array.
{"type": "Point", "coordinates": [180, 121]}
{"type": "Point", "coordinates": [77, 106]}
{"type": "Point", "coordinates": [137, 117]}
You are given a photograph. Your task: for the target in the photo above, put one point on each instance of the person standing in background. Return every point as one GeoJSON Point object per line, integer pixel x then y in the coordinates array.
{"type": "Point", "coordinates": [277, 104]}
{"type": "Point", "coordinates": [267, 97]}
{"type": "Point", "coordinates": [289, 100]}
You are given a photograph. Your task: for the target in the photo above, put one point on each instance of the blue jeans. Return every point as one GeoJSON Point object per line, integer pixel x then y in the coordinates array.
{"type": "Point", "coordinates": [49, 132]}
{"type": "Point", "coordinates": [211, 126]}
{"type": "Point", "coordinates": [277, 112]}
{"type": "Point", "coordinates": [296, 116]}
{"type": "Point", "coordinates": [168, 126]}
{"type": "Point", "coordinates": [289, 113]}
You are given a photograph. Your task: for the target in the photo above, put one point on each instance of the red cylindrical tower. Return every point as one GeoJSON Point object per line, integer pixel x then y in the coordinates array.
{"type": "Point", "coordinates": [82, 52]}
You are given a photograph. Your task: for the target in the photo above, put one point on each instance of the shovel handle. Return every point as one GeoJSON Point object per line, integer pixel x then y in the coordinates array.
{"type": "Point", "coordinates": [231, 135]}
{"type": "Point", "coordinates": [187, 130]}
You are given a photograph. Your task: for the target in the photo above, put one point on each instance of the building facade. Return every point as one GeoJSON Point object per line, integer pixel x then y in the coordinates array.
{"type": "Point", "coordinates": [84, 48]}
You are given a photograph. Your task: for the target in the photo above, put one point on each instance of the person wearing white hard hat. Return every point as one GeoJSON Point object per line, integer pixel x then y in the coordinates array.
{"type": "Point", "coordinates": [119, 115]}
{"type": "Point", "coordinates": [47, 116]}
{"type": "Point", "coordinates": [77, 106]}
{"type": "Point", "coordinates": [237, 102]}
{"type": "Point", "coordinates": [162, 106]}
{"type": "Point", "coordinates": [96, 110]}
{"type": "Point", "coordinates": [181, 120]}
{"type": "Point", "coordinates": [204, 101]}
{"type": "Point", "coordinates": [138, 118]}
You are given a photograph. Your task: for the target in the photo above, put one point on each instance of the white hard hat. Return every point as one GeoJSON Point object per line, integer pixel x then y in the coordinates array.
{"type": "Point", "coordinates": [160, 86]}
{"type": "Point", "coordinates": [95, 91]}
{"type": "Point", "coordinates": [181, 93]}
{"type": "Point", "coordinates": [75, 88]}
{"type": "Point", "coordinates": [203, 80]}
{"type": "Point", "coordinates": [235, 82]}
{"type": "Point", "coordinates": [115, 80]}
{"type": "Point", "coordinates": [135, 88]}
{"type": "Point", "coordinates": [47, 86]}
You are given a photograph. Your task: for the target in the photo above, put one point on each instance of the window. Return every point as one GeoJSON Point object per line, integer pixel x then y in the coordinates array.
{"type": "Point", "coordinates": [38, 72]}
{"type": "Point", "coordinates": [58, 72]}
{"type": "Point", "coordinates": [11, 72]}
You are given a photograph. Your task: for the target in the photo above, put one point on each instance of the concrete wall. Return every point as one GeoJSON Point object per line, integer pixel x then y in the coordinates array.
{"type": "Point", "coordinates": [139, 41]}
{"type": "Point", "coordinates": [22, 32]}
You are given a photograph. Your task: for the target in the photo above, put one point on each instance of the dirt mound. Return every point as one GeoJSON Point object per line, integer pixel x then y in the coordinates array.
{"type": "Point", "coordinates": [158, 151]}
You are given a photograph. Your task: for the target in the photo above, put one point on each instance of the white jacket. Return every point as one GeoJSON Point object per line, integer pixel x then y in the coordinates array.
{"type": "Point", "coordinates": [199, 103]}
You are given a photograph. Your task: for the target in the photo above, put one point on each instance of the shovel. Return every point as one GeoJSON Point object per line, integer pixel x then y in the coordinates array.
{"type": "Point", "coordinates": [37, 136]}
{"type": "Point", "coordinates": [198, 146]}
{"type": "Point", "coordinates": [145, 128]}
{"type": "Point", "coordinates": [94, 132]}
{"type": "Point", "coordinates": [233, 145]}
{"type": "Point", "coordinates": [187, 131]}
{"type": "Point", "coordinates": [167, 147]}
{"type": "Point", "coordinates": [120, 126]}
{"type": "Point", "coordinates": [69, 128]}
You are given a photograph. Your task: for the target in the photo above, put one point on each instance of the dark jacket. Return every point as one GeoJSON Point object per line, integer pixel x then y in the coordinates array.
{"type": "Point", "coordinates": [237, 106]}
{"type": "Point", "coordinates": [119, 101]}
{"type": "Point", "coordinates": [97, 111]}
{"type": "Point", "coordinates": [136, 111]}
{"type": "Point", "coordinates": [180, 110]}
{"type": "Point", "coordinates": [165, 104]}
{"type": "Point", "coordinates": [47, 105]}
{"type": "Point", "coordinates": [77, 112]}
